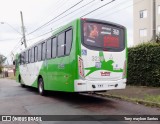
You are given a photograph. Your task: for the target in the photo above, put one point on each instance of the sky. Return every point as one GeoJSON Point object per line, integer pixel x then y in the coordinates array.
{"type": "Point", "coordinates": [38, 12]}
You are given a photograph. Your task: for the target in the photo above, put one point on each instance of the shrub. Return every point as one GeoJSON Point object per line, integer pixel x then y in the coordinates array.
{"type": "Point", "coordinates": [144, 65]}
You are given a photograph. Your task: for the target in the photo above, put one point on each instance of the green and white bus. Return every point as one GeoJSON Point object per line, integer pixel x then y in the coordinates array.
{"type": "Point", "coordinates": [86, 55]}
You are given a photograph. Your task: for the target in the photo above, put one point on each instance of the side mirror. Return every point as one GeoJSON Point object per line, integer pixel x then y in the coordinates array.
{"type": "Point", "coordinates": [14, 62]}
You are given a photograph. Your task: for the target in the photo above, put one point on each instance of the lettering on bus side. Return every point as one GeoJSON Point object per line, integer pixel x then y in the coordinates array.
{"type": "Point", "coordinates": [61, 66]}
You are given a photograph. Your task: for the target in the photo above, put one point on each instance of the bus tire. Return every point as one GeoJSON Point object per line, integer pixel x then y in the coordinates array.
{"type": "Point", "coordinates": [20, 81]}
{"type": "Point", "coordinates": [41, 87]}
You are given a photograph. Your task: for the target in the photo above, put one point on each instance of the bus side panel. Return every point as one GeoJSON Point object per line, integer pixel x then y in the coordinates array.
{"type": "Point", "coordinates": [61, 70]}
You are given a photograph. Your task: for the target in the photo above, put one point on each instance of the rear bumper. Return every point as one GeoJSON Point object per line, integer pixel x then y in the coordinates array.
{"type": "Point", "coordinates": [87, 85]}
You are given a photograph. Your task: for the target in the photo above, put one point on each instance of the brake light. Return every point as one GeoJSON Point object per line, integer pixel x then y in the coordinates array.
{"type": "Point", "coordinates": [80, 67]}
{"type": "Point", "coordinates": [124, 70]}
{"type": "Point", "coordinates": [84, 19]}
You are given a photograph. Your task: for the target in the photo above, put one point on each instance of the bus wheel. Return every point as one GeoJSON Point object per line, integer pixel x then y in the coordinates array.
{"type": "Point", "coordinates": [20, 81]}
{"type": "Point", "coordinates": [41, 87]}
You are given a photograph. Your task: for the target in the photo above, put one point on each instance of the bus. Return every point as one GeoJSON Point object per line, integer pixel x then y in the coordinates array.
{"type": "Point", "coordinates": [85, 55]}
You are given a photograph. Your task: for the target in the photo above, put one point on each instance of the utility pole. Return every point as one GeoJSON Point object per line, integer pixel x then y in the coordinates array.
{"type": "Point", "coordinates": [23, 31]}
{"type": "Point", "coordinates": [154, 20]}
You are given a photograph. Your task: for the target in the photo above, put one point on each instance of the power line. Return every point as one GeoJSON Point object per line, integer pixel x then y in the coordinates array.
{"type": "Point", "coordinates": [11, 27]}
{"type": "Point", "coordinates": [116, 6]}
{"type": "Point", "coordinates": [97, 8]}
{"type": "Point", "coordinates": [73, 11]}
{"type": "Point", "coordinates": [39, 36]}
{"type": "Point", "coordinates": [8, 39]}
{"type": "Point", "coordinates": [124, 8]}
{"type": "Point", "coordinates": [44, 34]}
{"type": "Point", "coordinates": [57, 6]}
{"type": "Point", "coordinates": [16, 46]}
{"type": "Point", "coordinates": [81, 16]}
{"type": "Point", "coordinates": [56, 17]}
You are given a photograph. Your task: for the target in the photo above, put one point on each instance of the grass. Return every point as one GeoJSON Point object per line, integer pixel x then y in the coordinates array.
{"type": "Point", "coordinates": [152, 98]}
{"type": "Point", "coordinates": [152, 101]}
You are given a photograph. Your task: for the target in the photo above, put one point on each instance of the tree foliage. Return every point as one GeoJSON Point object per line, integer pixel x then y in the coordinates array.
{"type": "Point", "coordinates": [2, 60]}
{"type": "Point", "coordinates": [158, 39]}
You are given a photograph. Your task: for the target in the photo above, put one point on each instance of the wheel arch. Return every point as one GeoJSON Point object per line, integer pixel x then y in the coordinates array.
{"type": "Point", "coordinates": [19, 78]}
{"type": "Point", "coordinates": [40, 76]}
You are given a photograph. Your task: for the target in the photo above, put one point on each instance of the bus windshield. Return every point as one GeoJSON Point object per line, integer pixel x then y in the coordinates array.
{"type": "Point", "coordinates": [103, 36]}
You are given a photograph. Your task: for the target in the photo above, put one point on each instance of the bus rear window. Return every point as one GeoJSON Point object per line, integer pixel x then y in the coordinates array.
{"type": "Point", "coordinates": [101, 36]}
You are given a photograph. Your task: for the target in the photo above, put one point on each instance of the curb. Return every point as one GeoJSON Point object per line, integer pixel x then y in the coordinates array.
{"type": "Point", "coordinates": [137, 101]}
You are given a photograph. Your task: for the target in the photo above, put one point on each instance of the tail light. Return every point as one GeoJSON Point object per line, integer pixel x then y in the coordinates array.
{"type": "Point", "coordinates": [80, 67]}
{"type": "Point", "coordinates": [84, 19]}
{"type": "Point", "coordinates": [124, 70]}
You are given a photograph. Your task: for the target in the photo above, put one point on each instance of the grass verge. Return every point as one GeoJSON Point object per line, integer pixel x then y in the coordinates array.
{"type": "Point", "coordinates": [151, 101]}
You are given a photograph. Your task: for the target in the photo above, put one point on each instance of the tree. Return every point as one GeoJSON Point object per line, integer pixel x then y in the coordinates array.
{"type": "Point", "coordinates": [2, 60]}
{"type": "Point", "coordinates": [157, 38]}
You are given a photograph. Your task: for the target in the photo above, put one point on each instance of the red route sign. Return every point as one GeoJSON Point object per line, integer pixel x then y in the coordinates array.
{"type": "Point", "coordinates": [111, 41]}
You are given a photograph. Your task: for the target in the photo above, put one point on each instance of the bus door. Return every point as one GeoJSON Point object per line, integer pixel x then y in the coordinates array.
{"type": "Point", "coordinates": [16, 63]}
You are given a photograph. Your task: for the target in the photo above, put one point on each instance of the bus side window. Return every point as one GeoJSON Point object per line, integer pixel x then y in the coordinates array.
{"type": "Point", "coordinates": [39, 52]}
{"type": "Point", "coordinates": [68, 41]}
{"type": "Point", "coordinates": [61, 45]}
{"type": "Point", "coordinates": [22, 58]}
{"type": "Point", "coordinates": [35, 53]}
{"type": "Point", "coordinates": [43, 51]}
{"type": "Point", "coordinates": [26, 56]}
{"type": "Point", "coordinates": [54, 47]}
{"type": "Point", "coordinates": [16, 64]}
{"type": "Point", "coordinates": [49, 51]}
{"type": "Point", "coordinates": [32, 54]}
{"type": "Point", "coordinates": [29, 56]}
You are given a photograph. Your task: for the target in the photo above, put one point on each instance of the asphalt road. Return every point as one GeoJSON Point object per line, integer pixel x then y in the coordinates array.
{"type": "Point", "coordinates": [15, 100]}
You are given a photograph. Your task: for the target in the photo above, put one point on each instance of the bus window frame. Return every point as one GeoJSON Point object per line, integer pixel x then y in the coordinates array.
{"type": "Point", "coordinates": [71, 41]}
{"type": "Point", "coordinates": [64, 31]}
{"type": "Point", "coordinates": [52, 47]}
{"type": "Point", "coordinates": [32, 56]}
{"type": "Point", "coordinates": [26, 61]}
{"type": "Point", "coordinates": [43, 59]}
{"type": "Point", "coordinates": [45, 42]}
{"type": "Point", "coordinates": [94, 48]}
{"type": "Point", "coordinates": [48, 40]}
{"type": "Point", "coordinates": [24, 57]}
{"type": "Point", "coordinates": [35, 56]}
{"type": "Point", "coordinates": [29, 55]}
{"type": "Point", "coordinates": [40, 44]}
